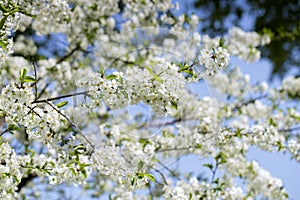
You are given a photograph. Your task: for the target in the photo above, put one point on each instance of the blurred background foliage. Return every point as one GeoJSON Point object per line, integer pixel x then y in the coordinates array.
{"type": "Point", "coordinates": [278, 17]}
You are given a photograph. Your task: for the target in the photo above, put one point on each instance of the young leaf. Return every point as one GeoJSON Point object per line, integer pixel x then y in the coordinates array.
{"type": "Point", "coordinates": [2, 113]}
{"type": "Point", "coordinates": [61, 104]}
{"type": "Point", "coordinates": [3, 21]}
{"type": "Point", "coordinates": [140, 165]}
{"type": "Point", "coordinates": [221, 42]}
{"type": "Point", "coordinates": [272, 123]}
{"type": "Point", "coordinates": [295, 117]}
{"type": "Point", "coordinates": [12, 127]}
{"type": "Point", "coordinates": [23, 73]}
{"type": "Point", "coordinates": [156, 77]}
{"type": "Point", "coordinates": [3, 9]}
{"type": "Point", "coordinates": [3, 44]}
{"type": "Point", "coordinates": [174, 104]}
{"type": "Point", "coordinates": [210, 166]}
{"type": "Point", "coordinates": [133, 180]}
{"type": "Point", "coordinates": [73, 171]}
{"type": "Point", "coordinates": [150, 176]}
{"type": "Point", "coordinates": [110, 77]}
{"type": "Point", "coordinates": [29, 79]}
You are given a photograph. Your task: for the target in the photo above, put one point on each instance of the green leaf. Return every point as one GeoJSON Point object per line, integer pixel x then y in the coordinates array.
{"type": "Point", "coordinates": [133, 180]}
{"type": "Point", "coordinates": [111, 76]}
{"type": "Point", "coordinates": [143, 141]}
{"type": "Point", "coordinates": [12, 127]}
{"type": "Point", "coordinates": [280, 146]}
{"type": "Point", "coordinates": [2, 113]}
{"type": "Point", "coordinates": [15, 178]}
{"type": "Point", "coordinates": [45, 165]}
{"type": "Point", "coordinates": [61, 104]}
{"type": "Point", "coordinates": [29, 79]}
{"type": "Point", "coordinates": [216, 181]}
{"type": "Point", "coordinates": [73, 171]}
{"type": "Point", "coordinates": [23, 73]}
{"type": "Point", "coordinates": [125, 94]}
{"type": "Point", "coordinates": [3, 9]}
{"type": "Point", "coordinates": [210, 166]}
{"type": "Point", "coordinates": [167, 134]}
{"type": "Point", "coordinates": [174, 104]}
{"type": "Point", "coordinates": [140, 165]}
{"type": "Point", "coordinates": [3, 44]}
{"type": "Point", "coordinates": [221, 42]}
{"type": "Point", "coordinates": [79, 147]}
{"type": "Point", "coordinates": [221, 158]}
{"type": "Point", "coordinates": [188, 71]}
{"type": "Point", "coordinates": [190, 196]}
{"type": "Point", "coordinates": [150, 176]}
{"type": "Point", "coordinates": [271, 122]}
{"type": "Point", "coordinates": [155, 76]}
{"type": "Point", "coordinates": [238, 133]}
{"type": "Point", "coordinates": [183, 67]}
{"type": "Point", "coordinates": [3, 21]}
{"type": "Point", "coordinates": [296, 117]}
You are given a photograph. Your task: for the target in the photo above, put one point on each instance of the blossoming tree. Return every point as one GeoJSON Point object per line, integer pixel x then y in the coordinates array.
{"type": "Point", "coordinates": [112, 110]}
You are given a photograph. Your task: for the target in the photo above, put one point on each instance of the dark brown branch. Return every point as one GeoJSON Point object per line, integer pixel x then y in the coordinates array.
{"type": "Point", "coordinates": [60, 97]}
{"type": "Point", "coordinates": [68, 55]}
{"type": "Point", "coordinates": [25, 180]}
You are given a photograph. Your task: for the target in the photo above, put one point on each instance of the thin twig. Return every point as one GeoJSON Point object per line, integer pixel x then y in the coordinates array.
{"type": "Point", "coordinates": [290, 129]}
{"type": "Point", "coordinates": [60, 97]}
{"type": "Point", "coordinates": [42, 91]}
{"type": "Point", "coordinates": [73, 124]}
{"type": "Point", "coordinates": [35, 77]}
{"type": "Point", "coordinates": [162, 176]}
{"type": "Point", "coordinates": [174, 149]}
{"type": "Point", "coordinates": [237, 107]}
{"type": "Point", "coordinates": [159, 125]}
{"type": "Point", "coordinates": [68, 55]}
{"type": "Point", "coordinates": [214, 171]}
{"type": "Point", "coordinates": [171, 171]}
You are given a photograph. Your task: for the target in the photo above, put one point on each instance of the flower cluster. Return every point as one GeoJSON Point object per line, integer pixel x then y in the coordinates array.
{"type": "Point", "coordinates": [154, 86]}
{"type": "Point", "coordinates": [201, 190]}
{"type": "Point", "coordinates": [10, 174]}
{"type": "Point", "coordinates": [104, 146]}
{"type": "Point", "coordinates": [239, 43]}
{"type": "Point", "coordinates": [214, 59]}
{"type": "Point", "coordinates": [41, 123]}
{"type": "Point", "coordinates": [244, 45]}
{"type": "Point", "coordinates": [294, 148]}
{"type": "Point", "coordinates": [16, 101]}
{"type": "Point", "coordinates": [290, 86]}
{"type": "Point", "coordinates": [108, 161]}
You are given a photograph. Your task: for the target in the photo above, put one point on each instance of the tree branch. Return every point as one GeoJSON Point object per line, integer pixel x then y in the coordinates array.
{"type": "Point", "coordinates": [25, 180]}
{"type": "Point", "coordinates": [74, 125]}
{"type": "Point", "coordinates": [35, 77]}
{"type": "Point", "coordinates": [60, 97]}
